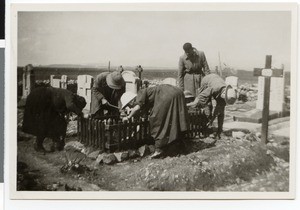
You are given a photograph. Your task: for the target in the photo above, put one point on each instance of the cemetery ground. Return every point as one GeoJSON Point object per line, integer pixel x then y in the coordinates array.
{"type": "Point", "coordinates": [239, 161]}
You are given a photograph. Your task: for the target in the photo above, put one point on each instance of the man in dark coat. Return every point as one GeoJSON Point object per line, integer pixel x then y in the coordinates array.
{"type": "Point", "coordinates": [192, 68]}
{"type": "Point", "coordinates": [45, 111]}
{"type": "Point", "coordinates": [213, 86]}
{"type": "Point", "coordinates": [139, 69]}
{"type": "Point", "coordinates": [168, 113]}
{"type": "Point", "coordinates": [107, 90]}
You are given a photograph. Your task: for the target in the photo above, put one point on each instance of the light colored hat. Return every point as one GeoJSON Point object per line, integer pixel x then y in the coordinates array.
{"type": "Point", "coordinates": [126, 98]}
{"type": "Point", "coordinates": [188, 94]}
{"type": "Point", "coordinates": [115, 80]}
{"type": "Point", "coordinates": [230, 95]}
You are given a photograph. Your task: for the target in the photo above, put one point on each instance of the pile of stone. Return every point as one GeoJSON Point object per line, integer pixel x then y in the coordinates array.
{"type": "Point", "coordinates": [118, 157]}
{"type": "Point", "coordinates": [45, 82]}
{"type": "Point", "coordinates": [77, 152]}
{"type": "Point", "coordinates": [249, 136]}
{"type": "Point", "coordinates": [72, 126]}
{"type": "Point", "coordinates": [247, 92]}
{"type": "Point", "coordinates": [72, 81]}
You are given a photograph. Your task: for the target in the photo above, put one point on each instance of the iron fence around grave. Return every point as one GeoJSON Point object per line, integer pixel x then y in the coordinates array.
{"type": "Point", "coordinates": [110, 134]}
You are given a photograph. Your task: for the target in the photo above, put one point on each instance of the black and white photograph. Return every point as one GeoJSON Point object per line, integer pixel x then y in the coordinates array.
{"type": "Point", "coordinates": [2, 115]}
{"type": "Point", "coordinates": [153, 101]}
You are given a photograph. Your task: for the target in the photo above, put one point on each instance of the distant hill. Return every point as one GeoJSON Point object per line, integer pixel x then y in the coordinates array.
{"type": "Point", "coordinates": [158, 73]}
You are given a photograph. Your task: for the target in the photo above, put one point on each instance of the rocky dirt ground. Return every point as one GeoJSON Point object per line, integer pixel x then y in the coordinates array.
{"type": "Point", "coordinates": [239, 163]}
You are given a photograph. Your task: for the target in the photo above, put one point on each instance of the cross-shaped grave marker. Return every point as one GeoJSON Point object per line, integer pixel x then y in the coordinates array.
{"type": "Point", "coordinates": [267, 73]}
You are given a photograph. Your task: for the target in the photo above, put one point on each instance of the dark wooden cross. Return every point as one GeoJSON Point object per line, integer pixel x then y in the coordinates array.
{"type": "Point", "coordinates": [267, 73]}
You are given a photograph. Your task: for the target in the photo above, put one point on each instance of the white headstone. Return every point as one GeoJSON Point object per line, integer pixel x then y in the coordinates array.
{"type": "Point", "coordinates": [170, 81]}
{"type": "Point", "coordinates": [28, 80]}
{"type": "Point", "coordinates": [55, 81]}
{"type": "Point", "coordinates": [233, 81]}
{"type": "Point", "coordinates": [131, 80]}
{"type": "Point", "coordinates": [63, 81]}
{"type": "Point", "coordinates": [276, 94]}
{"type": "Point", "coordinates": [84, 86]}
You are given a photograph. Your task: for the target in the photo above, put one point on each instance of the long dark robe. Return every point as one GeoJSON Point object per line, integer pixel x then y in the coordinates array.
{"type": "Point", "coordinates": [45, 110]}
{"type": "Point", "coordinates": [168, 112]}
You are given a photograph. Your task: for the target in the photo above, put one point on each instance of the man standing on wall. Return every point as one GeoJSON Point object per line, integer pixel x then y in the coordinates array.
{"type": "Point", "coordinates": [192, 68]}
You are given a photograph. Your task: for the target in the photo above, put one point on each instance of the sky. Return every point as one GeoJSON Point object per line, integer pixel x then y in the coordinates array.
{"type": "Point", "coordinates": [153, 38]}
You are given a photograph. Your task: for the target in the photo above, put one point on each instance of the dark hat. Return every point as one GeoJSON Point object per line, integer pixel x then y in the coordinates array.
{"type": "Point", "coordinates": [80, 102]}
{"type": "Point", "coordinates": [187, 46]}
{"type": "Point", "coordinates": [115, 80]}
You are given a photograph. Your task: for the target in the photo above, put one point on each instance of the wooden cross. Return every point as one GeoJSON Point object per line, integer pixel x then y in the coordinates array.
{"type": "Point", "coordinates": [267, 73]}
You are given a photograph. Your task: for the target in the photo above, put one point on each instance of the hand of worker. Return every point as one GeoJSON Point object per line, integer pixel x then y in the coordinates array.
{"type": "Point", "coordinates": [187, 71]}
{"type": "Point", "coordinates": [192, 105]}
{"type": "Point", "coordinates": [85, 116]}
{"type": "Point", "coordinates": [104, 101]}
{"type": "Point", "coordinates": [209, 124]}
{"type": "Point", "coordinates": [124, 119]}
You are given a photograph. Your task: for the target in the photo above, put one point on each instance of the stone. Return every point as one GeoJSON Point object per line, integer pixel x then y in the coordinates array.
{"type": "Point", "coordinates": [232, 108]}
{"type": "Point", "coordinates": [243, 110]}
{"type": "Point", "coordinates": [283, 132]}
{"type": "Point", "coordinates": [255, 116]}
{"type": "Point", "coordinates": [269, 152]}
{"type": "Point", "coordinates": [274, 144]}
{"type": "Point", "coordinates": [258, 134]}
{"type": "Point", "coordinates": [133, 154]}
{"type": "Point", "coordinates": [109, 159]}
{"type": "Point", "coordinates": [251, 137]}
{"type": "Point", "coordinates": [121, 156]}
{"type": "Point", "coordinates": [28, 80]}
{"type": "Point", "coordinates": [239, 102]}
{"type": "Point", "coordinates": [152, 148]}
{"type": "Point", "coordinates": [232, 80]}
{"type": "Point", "coordinates": [84, 85]}
{"type": "Point", "coordinates": [144, 150]}
{"type": "Point", "coordinates": [204, 163]}
{"type": "Point", "coordinates": [131, 80]}
{"type": "Point", "coordinates": [63, 82]}
{"type": "Point", "coordinates": [93, 187]}
{"type": "Point", "coordinates": [55, 186]}
{"type": "Point", "coordinates": [241, 126]}
{"type": "Point", "coordinates": [94, 155]}
{"type": "Point", "coordinates": [276, 94]}
{"type": "Point", "coordinates": [238, 134]}
{"type": "Point", "coordinates": [99, 159]}
{"type": "Point", "coordinates": [92, 166]}
{"type": "Point", "coordinates": [72, 129]}
{"type": "Point", "coordinates": [74, 145]}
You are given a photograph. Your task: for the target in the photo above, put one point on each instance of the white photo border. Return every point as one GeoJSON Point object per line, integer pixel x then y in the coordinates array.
{"type": "Point", "coordinates": [11, 100]}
